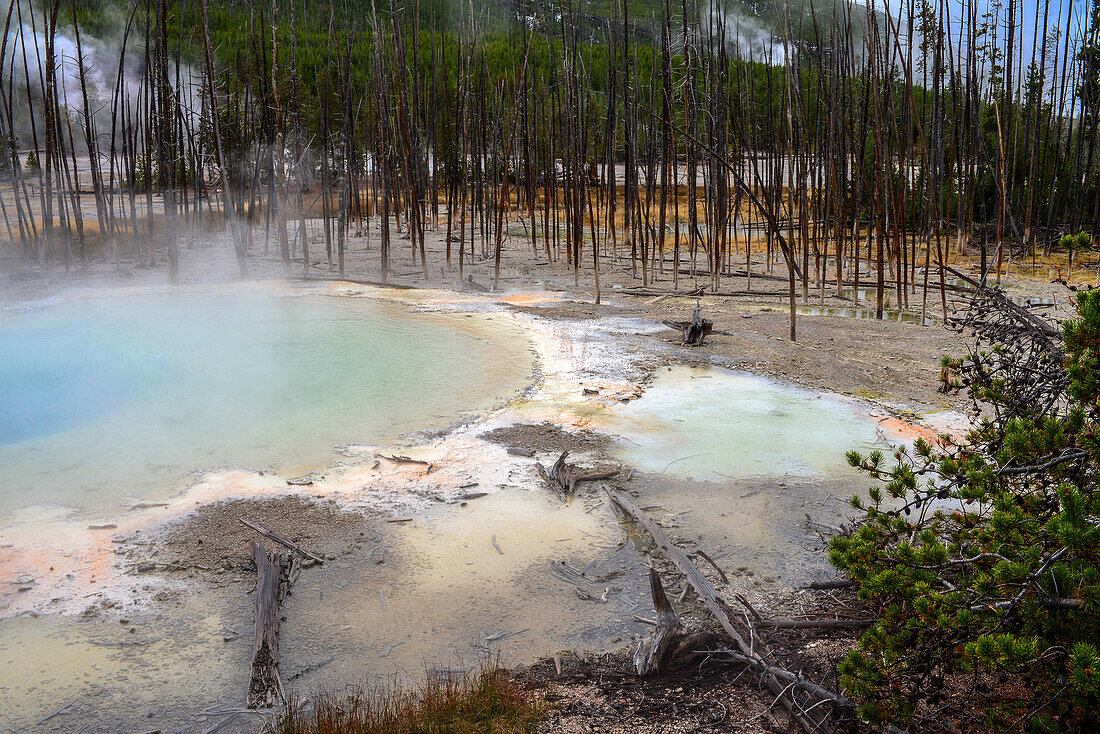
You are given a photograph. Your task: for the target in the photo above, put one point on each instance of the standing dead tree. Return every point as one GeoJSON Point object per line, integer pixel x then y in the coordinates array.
{"type": "Point", "coordinates": [841, 147]}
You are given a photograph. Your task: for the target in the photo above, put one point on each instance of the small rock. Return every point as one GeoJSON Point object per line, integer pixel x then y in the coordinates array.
{"type": "Point", "coordinates": [146, 567]}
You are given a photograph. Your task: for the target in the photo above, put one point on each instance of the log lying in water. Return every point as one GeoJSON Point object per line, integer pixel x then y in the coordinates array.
{"type": "Point", "coordinates": [564, 477]}
{"type": "Point", "coordinates": [275, 572]}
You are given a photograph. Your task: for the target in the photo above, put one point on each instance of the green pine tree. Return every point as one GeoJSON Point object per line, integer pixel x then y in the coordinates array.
{"type": "Point", "coordinates": [981, 559]}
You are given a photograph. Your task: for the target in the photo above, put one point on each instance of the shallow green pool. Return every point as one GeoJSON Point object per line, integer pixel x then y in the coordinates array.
{"type": "Point", "coordinates": [714, 424]}
{"type": "Point", "coordinates": [110, 400]}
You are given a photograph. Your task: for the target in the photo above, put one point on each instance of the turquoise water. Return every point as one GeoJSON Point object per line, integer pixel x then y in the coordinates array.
{"type": "Point", "coordinates": [716, 424]}
{"type": "Point", "coordinates": [107, 400]}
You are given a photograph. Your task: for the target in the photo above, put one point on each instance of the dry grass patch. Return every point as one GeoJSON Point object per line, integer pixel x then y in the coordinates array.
{"type": "Point", "coordinates": [486, 702]}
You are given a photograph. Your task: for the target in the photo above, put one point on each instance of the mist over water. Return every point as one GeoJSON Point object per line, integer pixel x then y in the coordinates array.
{"type": "Point", "coordinates": [110, 400]}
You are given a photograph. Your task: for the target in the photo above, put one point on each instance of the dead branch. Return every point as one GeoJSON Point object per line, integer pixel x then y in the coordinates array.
{"type": "Point", "coordinates": [282, 540]}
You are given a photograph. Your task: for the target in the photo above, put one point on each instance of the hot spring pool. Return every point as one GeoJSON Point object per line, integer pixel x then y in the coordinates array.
{"type": "Point", "coordinates": [110, 400]}
{"type": "Point", "coordinates": [713, 424]}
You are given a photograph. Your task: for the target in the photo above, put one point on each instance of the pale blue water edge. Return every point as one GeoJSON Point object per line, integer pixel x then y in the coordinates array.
{"type": "Point", "coordinates": [715, 424]}
{"type": "Point", "coordinates": [108, 400]}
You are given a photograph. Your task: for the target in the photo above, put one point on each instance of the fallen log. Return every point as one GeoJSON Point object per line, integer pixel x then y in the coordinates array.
{"type": "Point", "coordinates": [811, 719]}
{"type": "Point", "coordinates": [669, 647]}
{"type": "Point", "coordinates": [792, 679]}
{"type": "Point", "coordinates": [691, 572]}
{"type": "Point", "coordinates": [282, 540]}
{"type": "Point", "coordinates": [274, 572]}
{"type": "Point", "coordinates": [706, 294]}
{"type": "Point", "coordinates": [398, 459]}
{"type": "Point", "coordinates": [475, 287]}
{"type": "Point", "coordinates": [563, 477]}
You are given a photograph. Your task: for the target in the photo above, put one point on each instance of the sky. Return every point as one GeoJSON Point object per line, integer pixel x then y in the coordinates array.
{"type": "Point", "coordinates": [1028, 32]}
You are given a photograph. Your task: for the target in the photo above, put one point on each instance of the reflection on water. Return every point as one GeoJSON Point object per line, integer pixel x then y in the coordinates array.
{"type": "Point", "coordinates": [902, 317]}
{"type": "Point", "coordinates": [116, 398]}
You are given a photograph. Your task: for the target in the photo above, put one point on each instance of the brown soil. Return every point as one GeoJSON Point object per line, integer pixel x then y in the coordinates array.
{"type": "Point", "coordinates": [213, 539]}
{"type": "Point", "coordinates": [878, 360]}
{"type": "Point", "coordinates": [882, 361]}
{"type": "Point", "coordinates": [529, 439]}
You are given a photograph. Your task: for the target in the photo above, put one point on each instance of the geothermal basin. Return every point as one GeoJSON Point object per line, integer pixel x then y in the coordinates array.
{"type": "Point", "coordinates": [125, 414]}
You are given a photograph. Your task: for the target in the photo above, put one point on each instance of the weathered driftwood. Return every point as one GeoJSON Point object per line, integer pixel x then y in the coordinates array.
{"type": "Point", "coordinates": [741, 633]}
{"type": "Point", "coordinates": [475, 287]}
{"type": "Point", "coordinates": [282, 540]}
{"type": "Point", "coordinates": [669, 646]}
{"type": "Point", "coordinates": [792, 679]}
{"type": "Point", "coordinates": [274, 574]}
{"type": "Point", "coordinates": [397, 459]}
{"type": "Point", "coordinates": [694, 577]}
{"type": "Point", "coordinates": [695, 331]}
{"type": "Point", "coordinates": [653, 292]}
{"type": "Point", "coordinates": [563, 477]}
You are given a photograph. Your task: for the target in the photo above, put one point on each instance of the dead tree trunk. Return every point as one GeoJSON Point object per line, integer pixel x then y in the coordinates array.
{"type": "Point", "coordinates": [275, 572]}
{"type": "Point", "coordinates": [695, 331]}
{"type": "Point", "coordinates": [564, 477]}
{"type": "Point", "coordinates": [669, 646]}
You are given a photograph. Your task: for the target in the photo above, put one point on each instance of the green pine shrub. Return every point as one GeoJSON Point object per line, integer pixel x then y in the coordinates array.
{"type": "Point", "coordinates": [980, 557]}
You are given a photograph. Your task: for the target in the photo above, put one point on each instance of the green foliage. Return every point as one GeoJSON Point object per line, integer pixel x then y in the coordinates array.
{"type": "Point", "coordinates": [981, 559]}
{"type": "Point", "coordinates": [1071, 242]}
{"type": "Point", "coordinates": [1082, 337]}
